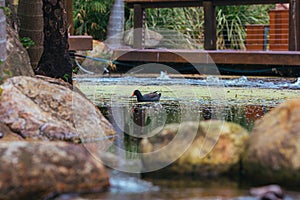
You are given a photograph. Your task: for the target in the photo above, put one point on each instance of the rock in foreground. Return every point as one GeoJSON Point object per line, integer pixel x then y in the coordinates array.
{"type": "Point", "coordinates": [274, 145]}
{"type": "Point", "coordinates": [35, 170]}
{"type": "Point", "coordinates": [216, 148]}
{"type": "Point", "coordinates": [48, 110]}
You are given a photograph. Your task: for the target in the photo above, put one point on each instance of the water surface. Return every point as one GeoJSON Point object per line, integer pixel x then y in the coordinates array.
{"type": "Point", "coordinates": [242, 100]}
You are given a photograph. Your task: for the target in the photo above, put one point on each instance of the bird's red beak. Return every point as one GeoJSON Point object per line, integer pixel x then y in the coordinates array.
{"type": "Point", "coordinates": [132, 94]}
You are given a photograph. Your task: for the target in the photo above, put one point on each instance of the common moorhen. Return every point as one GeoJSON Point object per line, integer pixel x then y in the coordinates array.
{"type": "Point", "coordinates": [150, 97]}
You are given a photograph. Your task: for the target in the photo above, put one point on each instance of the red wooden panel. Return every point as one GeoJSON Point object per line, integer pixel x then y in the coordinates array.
{"type": "Point", "coordinates": [255, 37]}
{"type": "Point", "coordinates": [279, 30]}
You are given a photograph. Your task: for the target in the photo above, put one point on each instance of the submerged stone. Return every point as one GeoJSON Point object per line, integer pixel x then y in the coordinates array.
{"type": "Point", "coordinates": [215, 149]}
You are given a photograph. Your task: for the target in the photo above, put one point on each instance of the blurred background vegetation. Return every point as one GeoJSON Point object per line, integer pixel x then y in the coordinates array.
{"type": "Point", "coordinates": [91, 17]}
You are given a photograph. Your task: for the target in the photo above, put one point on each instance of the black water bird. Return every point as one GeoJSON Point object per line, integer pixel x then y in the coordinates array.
{"type": "Point", "coordinates": [150, 97]}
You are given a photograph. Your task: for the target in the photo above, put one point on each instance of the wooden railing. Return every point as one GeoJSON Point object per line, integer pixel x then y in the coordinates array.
{"type": "Point", "coordinates": [209, 7]}
{"type": "Point", "coordinates": [76, 42]}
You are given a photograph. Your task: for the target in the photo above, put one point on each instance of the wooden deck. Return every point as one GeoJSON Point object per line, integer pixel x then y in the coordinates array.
{"type": "Point", "coordinates": [241, 60]}
{"type": "Point", "coordinates": [209, 7]}
{"type": "Point", "coordinates": [272, 58]}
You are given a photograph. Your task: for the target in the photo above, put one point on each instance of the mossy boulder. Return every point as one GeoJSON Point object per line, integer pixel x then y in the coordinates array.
{"type": "Point", "coordinates": [215, 149]}
{"type": "Point", "coordinates": [274, 145]}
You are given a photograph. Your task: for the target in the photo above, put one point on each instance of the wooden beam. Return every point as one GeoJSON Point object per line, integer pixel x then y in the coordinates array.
{"type": "Point", "coordinates": [246, 2]}
{"type": "Point", "coordinates": [164, 3]}
{"type": "Point", "coordinates": [80, 42]}
{"type": "Point", "coordinates": [69, 10]}
{"type": "Point", "coordinates": [210, 27]}
{"type": "Point", "coordinates": [279, 58]}
{"type": "Point", "coordinates": [138, 35]}
{"type": "Point", "coordinates": [192, 3]}
{"type": "Point", "coordinates": [294, 25]}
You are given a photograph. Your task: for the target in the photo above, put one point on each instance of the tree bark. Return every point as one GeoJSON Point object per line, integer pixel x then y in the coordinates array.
{"type": "Point", "coordinates": [30, 14]}
{"type": "Point", "coordinates": [55, 61]}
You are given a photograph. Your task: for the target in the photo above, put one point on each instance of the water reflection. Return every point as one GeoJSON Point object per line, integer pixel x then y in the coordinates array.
{"type": "Point", "coordinates": [137, 120]}
{"type": "Point", "coordinates": [123, 188]}
{"type": "Point", "coordinates": [146, 117]}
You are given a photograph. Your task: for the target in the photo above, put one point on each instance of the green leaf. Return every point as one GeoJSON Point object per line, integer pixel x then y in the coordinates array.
{"type": "Point", "coordinates": [66, 77]}
{"type": "Point", "coordinates": [6, 10]}
{"type": "Point", "coordinates": [27, 42]}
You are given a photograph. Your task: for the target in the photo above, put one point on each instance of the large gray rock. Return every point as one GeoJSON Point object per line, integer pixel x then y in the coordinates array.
{"type": "Point", "coordinates": [36, 170]}
{"type": "Point", "coordinates": [17, 62]}
{"type": "Point", "coordinates": [48, 110]}
{"type": "Point", "coordinates": [216, 148]}
{"type": "Point", "coordinates": [152, 38]}
{"type": "Point", "coordinates": [274, 145]}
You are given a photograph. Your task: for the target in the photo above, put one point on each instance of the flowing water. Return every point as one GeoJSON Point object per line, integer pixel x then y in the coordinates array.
{"type": "Point", "coordinates": [240, 99]}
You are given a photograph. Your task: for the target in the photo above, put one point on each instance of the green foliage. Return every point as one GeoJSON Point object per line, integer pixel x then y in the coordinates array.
{"type": "Point", "coordinates": [91, 17]}
{"type": "Point", "coordinates": [231, 21]}
{"type": "Point", "coordinates": [187, 23]}
{"type": "Point", "coordinates": [66, 77]}
{"type": "Point", "coordinates": [27, 42]}
{"type": "Point", "coordinates": [6, 10]}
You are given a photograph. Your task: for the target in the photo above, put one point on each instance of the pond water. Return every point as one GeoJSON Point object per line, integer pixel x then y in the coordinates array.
{"type": "Point", "coordinates": [240, 99]}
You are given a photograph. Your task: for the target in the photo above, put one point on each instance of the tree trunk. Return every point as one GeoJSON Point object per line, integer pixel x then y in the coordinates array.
{"type": "Point", "coordinates": [2, 38]}
{"type": "Point", "coordinates": [31, 25]}
{"type": "Point", "coordinates": [115, 28]}
{"type": "Point", "coordinates": [55, 61]}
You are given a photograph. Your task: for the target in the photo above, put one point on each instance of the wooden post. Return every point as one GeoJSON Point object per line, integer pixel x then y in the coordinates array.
{"type": "Point", "coordinates": [294, 25]}
{"type": "Point", "coordinates": [138, 26]}
{"type": "Point", "coordinates": [69, 9]}
{"type": "Point", "coordinates": [210, 26]}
